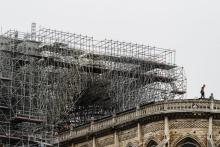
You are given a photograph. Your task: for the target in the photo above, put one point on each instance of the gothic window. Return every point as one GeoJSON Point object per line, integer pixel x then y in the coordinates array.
{"type": "Point", "coordinates": [188, 142]}
{"type": "Point", "coordinates": [152, 143]}
{"type": "Point", "coordinates": [130, 145]}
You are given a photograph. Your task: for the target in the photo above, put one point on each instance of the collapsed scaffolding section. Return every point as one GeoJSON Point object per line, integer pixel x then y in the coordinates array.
{"type": "Point", "coordinates": [56, 78]}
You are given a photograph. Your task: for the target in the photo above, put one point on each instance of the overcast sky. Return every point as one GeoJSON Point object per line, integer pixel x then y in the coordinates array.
{"type": "Point", "coordinates": [191, 27]}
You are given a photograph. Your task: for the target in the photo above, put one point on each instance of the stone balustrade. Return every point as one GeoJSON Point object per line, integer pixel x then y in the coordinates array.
{"type": "Point", "coordinates": [161, 107]}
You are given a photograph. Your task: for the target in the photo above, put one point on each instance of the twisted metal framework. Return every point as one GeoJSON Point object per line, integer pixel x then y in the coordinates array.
{"type": "Point", "coordinates": [50, 80]}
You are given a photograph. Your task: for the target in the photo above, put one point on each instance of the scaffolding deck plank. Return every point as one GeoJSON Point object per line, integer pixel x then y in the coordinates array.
{"type": "Point", "coordinates": [178, 92]}
{"type": "Point", "coordinates": [10, 137]}
{"type": "Point", "coordinates": [5, 78]}
{"type": "Point", "coordinates": [132, 60]}
{"type": "Point", "coordinates": [122, 59]}
{"type": "Point", "coordinates": [27, 118]}
{"type": "Point", "coordinates": [3, 107]}
{"type": "Point", "coordinates": [148, 78]}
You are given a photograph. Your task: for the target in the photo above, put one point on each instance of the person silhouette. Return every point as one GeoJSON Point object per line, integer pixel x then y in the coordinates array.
{"type": "Point", "coordinates": [202, 91]}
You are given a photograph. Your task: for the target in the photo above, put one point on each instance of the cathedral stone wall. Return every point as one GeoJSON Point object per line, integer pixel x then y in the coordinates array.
{"type": "Point", "coordinates": [199, 126]}
{"type": "Point", "coordinates": [197, 129]}
{"type": "Point", "coordinates": [216, 132]}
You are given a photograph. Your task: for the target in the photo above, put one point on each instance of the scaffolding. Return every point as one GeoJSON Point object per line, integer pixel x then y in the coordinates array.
{"type": "Point", "coordinates": [51, 80]}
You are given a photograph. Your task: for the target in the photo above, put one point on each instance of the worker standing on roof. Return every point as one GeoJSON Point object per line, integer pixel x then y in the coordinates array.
{"type": "Point", "coordinates": [202, 91]}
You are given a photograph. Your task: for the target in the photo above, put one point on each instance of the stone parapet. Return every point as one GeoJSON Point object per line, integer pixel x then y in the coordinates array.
{"type": "Point", "coordinates": [145, 114]}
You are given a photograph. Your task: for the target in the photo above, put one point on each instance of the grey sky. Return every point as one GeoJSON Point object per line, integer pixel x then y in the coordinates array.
{"type": "Point", "coordinates": [191, 27]}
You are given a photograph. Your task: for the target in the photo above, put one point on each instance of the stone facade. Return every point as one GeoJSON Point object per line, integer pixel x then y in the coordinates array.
{"type": "Point", "coordinates": [169, 124]}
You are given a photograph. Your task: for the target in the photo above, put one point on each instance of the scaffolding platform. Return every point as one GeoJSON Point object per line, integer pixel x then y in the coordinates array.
{"type": "Point", "coordinates": [19, 117]}
{"type": "Point", "coordinates": [5, 78]}
{"type": "Point", "coordinates": [131, 60]}
{"type": "Point", "coordinates": [4, 107]}
{"type": "Point", "coordinates": [4, 104]}
{"type": "Point", "coordinates": [178, 92]}
{"type": "Point", "coordinates": [22, 118]}
{"type": "Point", "coordinates": [10, 136]}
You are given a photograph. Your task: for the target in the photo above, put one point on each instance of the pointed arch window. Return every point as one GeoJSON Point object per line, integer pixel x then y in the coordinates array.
{"type": "Point", "coordinates": [152, 143]}
{"type": "Point", "coordinates": [188, 142]}
{"type": "Point", "coordinates": [130, 145]}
